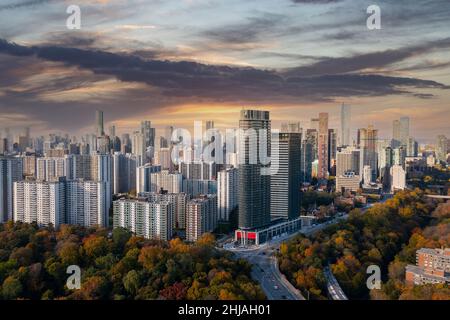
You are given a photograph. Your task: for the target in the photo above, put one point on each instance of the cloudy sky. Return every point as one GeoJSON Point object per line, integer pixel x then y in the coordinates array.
{"type": "Point", "coordinates": [175, 61]}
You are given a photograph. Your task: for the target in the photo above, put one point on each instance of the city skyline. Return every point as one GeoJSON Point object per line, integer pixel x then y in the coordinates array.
{"type": "Point", "coordinates": [317, 56]}
{"type": "Point", "coordinates": [334, 123]}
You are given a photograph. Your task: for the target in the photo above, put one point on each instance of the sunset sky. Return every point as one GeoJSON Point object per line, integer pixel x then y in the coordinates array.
{"type": "Point", "coordinates": [176, 61]}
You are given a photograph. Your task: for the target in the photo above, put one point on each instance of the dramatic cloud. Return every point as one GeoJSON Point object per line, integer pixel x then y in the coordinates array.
{"type": "Point", "coordinates": [322, 81]}
{"type": "Point", "coordinates": [159, 59]}
{"type": "Point", "coordinates": [373, 60]}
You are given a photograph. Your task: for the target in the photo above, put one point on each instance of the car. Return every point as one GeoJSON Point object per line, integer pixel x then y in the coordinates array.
{"type": "Point", "coordinates": [275, 287]}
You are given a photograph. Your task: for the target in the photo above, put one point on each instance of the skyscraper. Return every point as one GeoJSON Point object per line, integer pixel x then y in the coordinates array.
{"type": "Point", "coordinates": [345, 125]}
{"type": "Point", "coordinates": [124, 172]}
{"type": "Point", "coordinates": [254, 186]}
{"type": "Point", "coordinates": [404, 130]}
{"type": "Point", "coordinates": [149, 139]}
{"type": "Point", "coordinates": [332, 149]}
{"type": "Point", "coordinates": [11, 170]}
{"type": "Point", "coordinates": [322, 172]}
{"type": "Point", "coordinates": [396, 139]}
{"type": "Point", "coordinates": [285, 183]}
{"type": "Point", "coordinates": [399, 156]}
{"type": "Point", "coordinates": [138, 148]}
{"type": "Point", "coordinates": [441, 148]}
{"type": "Point", "coordinates": [309, 154]}
{"type": "Point", "coordinates": [227, 192]}
{"type": "Point", "coordinates": [367, 142]}
{"type": "Point", "coordinates": [412, 147]}
{"type": "Point", "coordinates": [400, 133]}
{"type": "Point", "coordinates": [99, 123]}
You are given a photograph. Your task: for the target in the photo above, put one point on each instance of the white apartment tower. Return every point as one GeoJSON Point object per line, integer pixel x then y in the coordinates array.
{"type": "Point", "coordinates": [227, 188]}
{"type": "Point", "coordinates": [144, 178]}
{"type": "Point", "coordinates": [42, 202]}
{"type": "Point", "coordinates": [398, 178]}
{"type": "Point", "coordinates": [201, 216]}
{"type": "Point", "coordinates": [152, 220]}
{"type": "Point", "coordinates": [88, 202]}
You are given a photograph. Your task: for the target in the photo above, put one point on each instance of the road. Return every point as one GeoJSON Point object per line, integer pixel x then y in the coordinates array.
{"type": "Point", "coordinates": [265, 265]}
{"type": "Point", "coordinates": [334, 289]}
{"type": "Point", "coordinates": [265, 271]}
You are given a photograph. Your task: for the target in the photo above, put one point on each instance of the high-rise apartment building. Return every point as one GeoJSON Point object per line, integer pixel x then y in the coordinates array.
{"type": "Point", "coordinates": [48, 169]}
{"type": "Point", "coordinates": [254, 182]}
{"type": "Point", "coordinates": [349, 169]}
{"type": "Point", "coordinates": [367, 175]}
{"type": "Point", "coordinates": [144, 178]}
{"type": "Point", "coordinates": [397, 178]}
{"type": "Point", "coordinates": [88, 202]}
{"type": "Point", "coordinates": [148, 219]}
{"type": "Point", "coordinates": [42, 202]}
{"type": "Point", "coordinates": [285, 182]}
{"type": "Point", "coordinates": [195, 187]}
{"type": "Point", "coordinates": [201, 216]}
{"type": "Point", "coordinates": [124, 172]}
{"type": "Point", "coordinates": [11, 170]}
{"type": "Point", "coordinates": [96, 167]}
{"type": "Point", "coordinates": [79, 202]}
{"type": "Point", "coordinates": [163, 157]}
{"type": "Point", "coordinates": [178, 201]}
{"type": "Point", "coordinates": [349, 159]}
{"type": "Point", "coordinates": [171, 182]}
{"type": "Point", "coordinates": [29, 165]}
{"type": "Point", "coordinates": [200, 170]}
{"type": "Point", "coordinates": [227, 192]}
